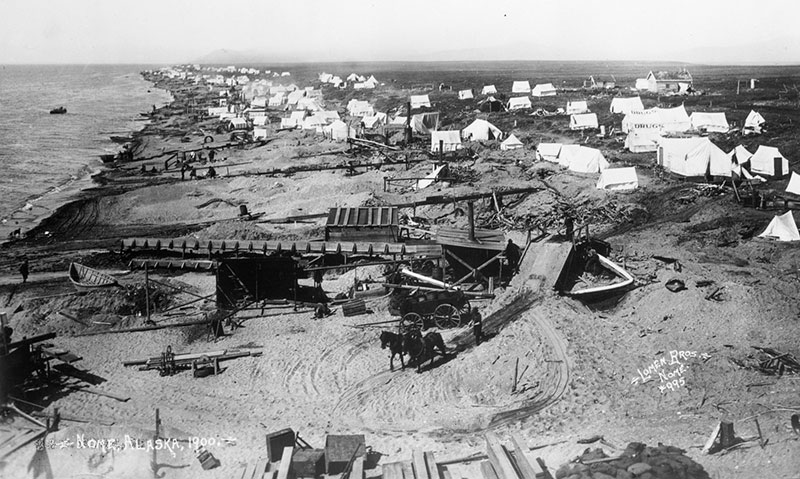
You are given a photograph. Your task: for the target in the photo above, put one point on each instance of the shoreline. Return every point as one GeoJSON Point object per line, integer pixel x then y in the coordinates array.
{"type": "Point", "coordinates": [68, 190]}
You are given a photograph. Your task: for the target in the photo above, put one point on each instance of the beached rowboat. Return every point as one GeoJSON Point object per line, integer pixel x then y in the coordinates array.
{"type": "Point", "coordinates": [85, 278]}
{"type": "Point", "coordinates": [624, 281]}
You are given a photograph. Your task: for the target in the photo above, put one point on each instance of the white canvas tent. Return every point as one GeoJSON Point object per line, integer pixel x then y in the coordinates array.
{"type": "Point", "coordinates": [583, 121]}
{"type": "Point", "coordinates": [693, 157]}
{"type": "Point", "coordinates": [626, 105]}
{"type": "Point", "coordinates": [488, 90]}
{"type": "Point", "coordinates": [739, 157]}
{"type": "Point", "coordinates": [544, 89]}
{"type": "Point", "coordinates": [336, 131]}
{"type": "Point", "coordinates": [511, 143]}
{"type": "Point", "coordinates": [616, 179]}
{"type": "Point", "coordinates": [582, 159]}
{"type": "Point", "coordinates": [675, 120]}
{"type": "Point", "coordinates": [419, 101]}
{"type": "Point", "coordinates": [521, 87]}
{"type": "Point", "coordinates": [519, 103]}
{"type": "Point", "coordinates": [259, 133]}
{"type": "Point", "coordinates": [794, 184]}
{"type": "Point", "coordinates": [237, 123]}
{"type": "Point", "coordinates": [642, 84]}
{"type": "Point", "coordinates": [642, 120]}
{"type": "Point", "coordinates": [276, 100]}
{"type": "Point", "coordinates": [577, 106]}
{"type": "Point", "coordinates": [642, 141]}
{"type": "Point", "coordinates": [260, 120]}
{"type": "Point", "coordinates": [451, 140]}
{"type": "Point", "coordinates": [710, 122]}
{"type": "Point", "coordinates": [465, 95]}
{"type": "Point", "coordinates": [764, 162]}
{"type": "Point", "coordinates": [782, 228]}
{"type": "Point", "coordinates": [480, 130]}
{"type": "Point", "coordinates": [753, 123]}
{"type": "Point", "coordinates": [379, 118]}
{"type": "Point", "coordinates": [548, 151]}
{"type": "Point", "coordinates": [359, 108]}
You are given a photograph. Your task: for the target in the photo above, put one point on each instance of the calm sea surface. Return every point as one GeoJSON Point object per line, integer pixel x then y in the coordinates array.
{"type": "Point", "coordinates": [40, 152]}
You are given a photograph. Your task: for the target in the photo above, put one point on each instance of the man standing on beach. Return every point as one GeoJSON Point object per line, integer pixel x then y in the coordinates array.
{"type": "Point", "coordinates": [23, 270]}
{"type": "Point", "coordinates": [477, 326]}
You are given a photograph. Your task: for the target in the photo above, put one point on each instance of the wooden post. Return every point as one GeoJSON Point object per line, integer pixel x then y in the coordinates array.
{"type": "Point", "coordinates": [516, 371]}
{"type": "Point", "coordinates": [147, 295]}
{"type": "Point", "coordinates": [737, 86]}
{"type": "Point", "coordinates": [471, 219]}
{"type": "Point", "coordinates": [3, 339]}
{"type": "Point", "coordinates": [155, 439]}
{"type": "Point", "coordinates": [441, 151]}
{"type": "Point", "coordinates": [727, 436]}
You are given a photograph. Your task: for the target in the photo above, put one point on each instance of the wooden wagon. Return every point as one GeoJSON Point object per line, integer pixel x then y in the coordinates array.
{"type": "Point", "coordinates": [445, 309]}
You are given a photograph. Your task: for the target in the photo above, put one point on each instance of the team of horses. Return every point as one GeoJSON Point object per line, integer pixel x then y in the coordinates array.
{"type": "Point", "coordinates": [418, 347]}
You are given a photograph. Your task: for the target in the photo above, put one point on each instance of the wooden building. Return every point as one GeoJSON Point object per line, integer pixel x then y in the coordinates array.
{"type": "Point", "coordinates": [364, 225]}
{"type": "Point", "coordinates": [254, 279]}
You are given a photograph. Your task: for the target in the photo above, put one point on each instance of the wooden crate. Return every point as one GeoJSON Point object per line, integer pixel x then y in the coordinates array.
{"type": "Point", "coordinates": [339, 449]}
{"type": "Point", "coordinates": [278, 440]}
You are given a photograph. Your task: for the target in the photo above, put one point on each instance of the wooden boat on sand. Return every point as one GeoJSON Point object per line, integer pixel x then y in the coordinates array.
{"type": "Point", "coordinates": [605, 290]}
{"type": "Point", "coordinates": [85, 278]}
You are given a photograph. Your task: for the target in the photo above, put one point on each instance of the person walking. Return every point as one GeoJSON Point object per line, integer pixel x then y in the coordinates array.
{"type": "Point", "coordinates": [24, 269]}
{"type": "Point", "coordinates": [512, 255]}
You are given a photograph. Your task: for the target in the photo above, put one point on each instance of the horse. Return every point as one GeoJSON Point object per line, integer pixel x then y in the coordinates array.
{"type": "Point", "coordinates": [420, 348]}
{"type": "Point", "coordinates": [395, 343]}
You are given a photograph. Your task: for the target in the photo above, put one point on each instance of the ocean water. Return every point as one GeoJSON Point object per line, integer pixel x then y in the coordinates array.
{"type": "Point", "coordinates": [42, 154]}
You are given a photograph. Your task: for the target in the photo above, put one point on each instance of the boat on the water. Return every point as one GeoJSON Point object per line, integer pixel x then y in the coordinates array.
{"type": "Point", "coordinates": [85, 278]}
{"type": "Point", "coordinates": [121, 139]}
{"type": "Point", "coordinates": [108, 158]}
{"type": "Point", "coordinates": [58, 111]}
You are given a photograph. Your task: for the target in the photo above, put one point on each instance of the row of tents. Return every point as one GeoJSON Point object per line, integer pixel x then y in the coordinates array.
{"type": "Point", "coordinates": [478, 130]}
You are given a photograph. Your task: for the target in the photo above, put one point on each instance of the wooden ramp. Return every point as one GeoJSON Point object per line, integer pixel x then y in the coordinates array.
{"type": "Point", "coordinates": [542, 264]}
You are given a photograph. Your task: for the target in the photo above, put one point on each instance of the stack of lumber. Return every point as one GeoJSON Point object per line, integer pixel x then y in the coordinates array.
{"type": "Point", "coordinates": [186, 359]}
{"type": "Point", "coordinates": [421, 466]}
{"type": "Point", "coordinates": [354, 307]}
{"type": "Point", "coordinates": [505, 464]}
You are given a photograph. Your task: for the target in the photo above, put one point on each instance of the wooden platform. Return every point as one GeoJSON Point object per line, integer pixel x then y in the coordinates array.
{"type": "Point", "coordinates": [301, 247]}
{"type": "Point", "coordinates": [542, 264]}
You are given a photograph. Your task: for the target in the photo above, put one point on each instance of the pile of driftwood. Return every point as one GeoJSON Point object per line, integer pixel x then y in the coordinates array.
{"type": "Point", "coordinates": [775, 363]}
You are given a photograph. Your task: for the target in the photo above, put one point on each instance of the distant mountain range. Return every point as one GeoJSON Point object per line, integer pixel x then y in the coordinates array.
{"type": "Point", "coordinates": [775, 51]}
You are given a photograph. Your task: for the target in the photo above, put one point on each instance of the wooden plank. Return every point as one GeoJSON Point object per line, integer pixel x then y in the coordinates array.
{"type": "Point", "coordinates": [407, 470]}
{"type": "Point", "coordinates": [488, 471]}
{"type": "Point", "coordinates": [19, 441]}
{"type": "Point", "coordinates": [523, 464]}
{"type": "Point", "coordinates": [261, 467]}
{"type": "Point", "coordinates": [499, 459]}
{"type": "Point", "coordinates": [545, 472]}
{"type": "Point", "coordinates": [98, 392]}
{"type": "Point", "coordinates": [446, 475]}
{"type": "Point", "coordinates": [248, 471]}
{"type": "Point", "coordinates": [286, 462]}
{"type": "Point", "coordinates": [433, 468]}
{"type": "Point", "coordinates": [392, 470]}
{"type": "Point", "coordinates": [420, 468]}
{"type": "Point", "coordinates": [358, 468]}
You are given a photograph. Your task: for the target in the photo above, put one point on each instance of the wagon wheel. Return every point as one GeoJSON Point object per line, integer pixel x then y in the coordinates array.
{"type": "Point", "coordinates": [447, 316]}
{"type": "Point", "coordinates": [411, 321]}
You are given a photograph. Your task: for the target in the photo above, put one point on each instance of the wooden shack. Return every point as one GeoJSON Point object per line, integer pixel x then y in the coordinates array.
{"type": "Point", "coordinates": [254, 279]}
{"type": "Point", "coordinates": [363, 225]}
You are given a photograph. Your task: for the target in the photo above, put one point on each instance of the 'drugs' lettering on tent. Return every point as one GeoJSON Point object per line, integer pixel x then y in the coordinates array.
{"type": "Point", "coordinates": [782, 228]}
{"type": "Point", "coordinates": [582, 159]}
{"type": "Point", "coordinates": [768, 161]}
{"type": "Point", "coordinates": [616, 179]}
{"type": "Point", "coordinates": [481, 130]}
{"type": "Point", "coordinates": [674, 120]}
{"type": "Point", "coordinates": [451, 140]}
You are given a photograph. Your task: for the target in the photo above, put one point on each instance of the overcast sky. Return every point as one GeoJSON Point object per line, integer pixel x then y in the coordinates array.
{"type": "Point", "coordinates": [172, 31]}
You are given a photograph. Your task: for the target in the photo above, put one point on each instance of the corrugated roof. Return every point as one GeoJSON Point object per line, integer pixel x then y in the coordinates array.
{"type": "Point", "coordinates": [377, 216]}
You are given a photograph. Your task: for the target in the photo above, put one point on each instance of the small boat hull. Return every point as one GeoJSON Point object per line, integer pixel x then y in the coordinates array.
{"type": "Point", "coordinates": [58, 111]}
{"type": "Point", "coordinates": [607, 290]}
{"type": "Point", "coordinates": [88, 279]}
